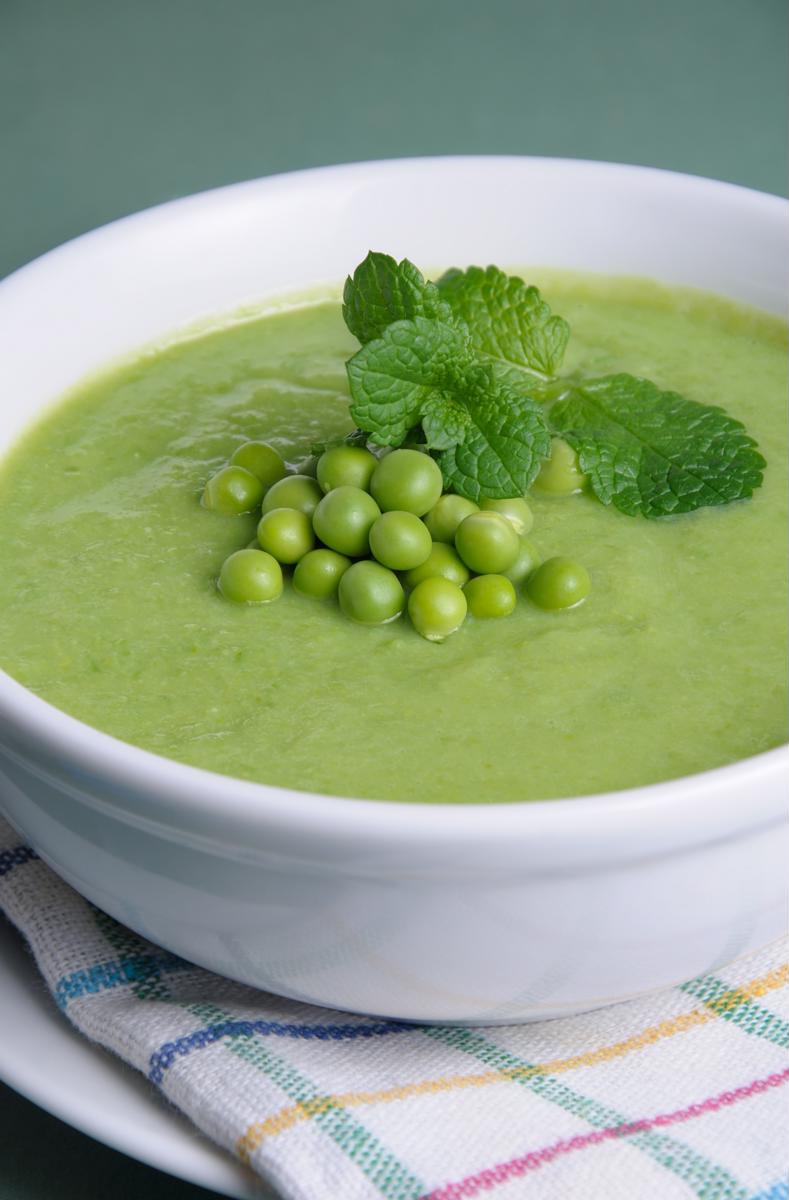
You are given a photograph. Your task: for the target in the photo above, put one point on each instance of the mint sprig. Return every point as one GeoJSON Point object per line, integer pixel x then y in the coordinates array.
{"type": "Point", "coordinates": [413, 369]}
{"type": "Point", "coordinates": [421, 373]}
{"type": "Point", "coordinates": [510, 324]}
{"type": "Point", "coordinates": [382, 291]}
{"type": "Point", "coordinates": [467, 369]}
{"type": "Point", "coordinates": [506, 439]}
{"type": "Point", "coordinates": [656, 453]}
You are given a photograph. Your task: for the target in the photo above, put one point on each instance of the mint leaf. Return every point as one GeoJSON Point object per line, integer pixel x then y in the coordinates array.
{"type": "Point", "coordinates": [459, 367]}
{"type": "Point", "coordinates": [656, 453]}
{"type": "Point", "coordinates": [492, 437]}
{"type": "Point", "coordinates": [506, 439]}
{"type": "Point", "coordinates": [509, 322]}
{"type": "Point", "coordinates": [382, 291]}
{"type": "Point", "coordinates": [445, 420]}
{"type": "Point", "coordinates": [404, 374]}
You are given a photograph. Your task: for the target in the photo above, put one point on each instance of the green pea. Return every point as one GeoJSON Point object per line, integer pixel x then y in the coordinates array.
{"type": "Point", "coordinates": [400, 540]}
{"type": "Point", "coordinates": [443, 561]}
{"type": "Point", "coordinates": [286, 533]}
{"type": "Point", "coordinates": [250, 577]}
{"type": "Point", "coordinates": [561, 474]}
{"type": "Point", "coordinates": [344, 518]}
{"type": "Point", "coordinates": [490, 596]}
{"type": "Point", "coordinates": [437, 608]}
{"type": "Point", "coordinates": [528, 558]}
{"type": "Point", "coordinates": [294, 491]}
{"type": "Point", "coordinates": [350, 466]}
{"type": "Point", "coordinates": [370, 594]}
{"type": "Point", "coordinates": [261, 460]}
{"type": "Point", "coordinates": [487, 543]}
{"type": "Point", "coordinates": [233, 491]}
{"type": "Point", "coordinates": [446, 514]}
{"type": "Point", "coordinates": [516, 510]}
{"type": "Point", "coordinates": [558, 583]}
{"type": "Point", "coordinates": [318, 574]}
{"type": "Point", "coordinates": [406, 481]}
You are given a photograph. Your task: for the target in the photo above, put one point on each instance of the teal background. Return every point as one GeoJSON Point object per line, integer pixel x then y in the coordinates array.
{"type": "Point", "coordinates": [107, 107]}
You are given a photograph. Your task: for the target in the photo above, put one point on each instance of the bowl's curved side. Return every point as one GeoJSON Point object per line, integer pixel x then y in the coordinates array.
{"type": "Point", "coordinates": [430, 913]}
{"type": "Point", "coordinates": [435, 931]}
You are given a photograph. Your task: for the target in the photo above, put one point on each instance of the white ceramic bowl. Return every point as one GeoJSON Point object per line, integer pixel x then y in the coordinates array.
{"type": "Point", "coordinates": [469, 913]}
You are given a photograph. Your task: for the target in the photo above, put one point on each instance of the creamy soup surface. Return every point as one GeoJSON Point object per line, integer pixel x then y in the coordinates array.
{"type": "Point", "coordinates": [108, 567]}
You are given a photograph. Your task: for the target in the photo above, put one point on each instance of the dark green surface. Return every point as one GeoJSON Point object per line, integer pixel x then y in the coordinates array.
{"type": "Point", "coordinates": [107, 107]}
{"type": "Point", "coordinates": [43, 1158]}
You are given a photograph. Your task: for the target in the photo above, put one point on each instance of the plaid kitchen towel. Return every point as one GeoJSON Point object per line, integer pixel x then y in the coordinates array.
{"type": "Point", "coordinates": [672, 1096]}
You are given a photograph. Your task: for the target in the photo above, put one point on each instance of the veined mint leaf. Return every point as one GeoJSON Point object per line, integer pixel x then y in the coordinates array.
{"type": "Point", "coordinates": [656, 453]}
{"type": "Point", "coordinates": [492, 437]}
{"type": "Point", "coordinates": [506, 439]}
{"type": "Point", "coordinates": [404, 374]}
{"type": "Point", "coordinates": [509, 322]}
{"type": "Point", "coordinates": [382, 291]}
{"type": "Point", "coordinates": [445, 420]}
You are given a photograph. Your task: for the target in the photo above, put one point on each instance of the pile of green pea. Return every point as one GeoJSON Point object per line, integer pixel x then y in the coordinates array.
{"type": "Point", "coordinates": [365, 526]}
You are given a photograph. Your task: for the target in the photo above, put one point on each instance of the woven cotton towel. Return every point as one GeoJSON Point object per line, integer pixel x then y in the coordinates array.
{"type": "Point", "coordinates": [673, 1096]}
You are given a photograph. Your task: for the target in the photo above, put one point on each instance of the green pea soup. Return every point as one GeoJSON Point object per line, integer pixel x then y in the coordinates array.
{"type": "Point", "coordinates": [108, 570]}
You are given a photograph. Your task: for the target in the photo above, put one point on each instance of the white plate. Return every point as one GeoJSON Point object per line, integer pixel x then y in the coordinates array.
{"type": "Point", "coordinates": [41, 1055]}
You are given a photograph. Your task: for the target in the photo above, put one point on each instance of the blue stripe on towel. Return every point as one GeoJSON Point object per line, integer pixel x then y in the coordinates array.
{"type": "Point", "coordinates": [114, 973]}
{"type": "Point", "coordinates": [166, 1055]}
{"type": "Point", "coordinates": [779, 1191]}
{"type": "Point", "coordinates": [17, 856]}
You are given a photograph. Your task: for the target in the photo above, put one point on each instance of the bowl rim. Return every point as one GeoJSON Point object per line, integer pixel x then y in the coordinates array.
{"type": "Point", "coordinates": [182, 788]}
{"type": "Point", "coordinates": [661, 176]}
